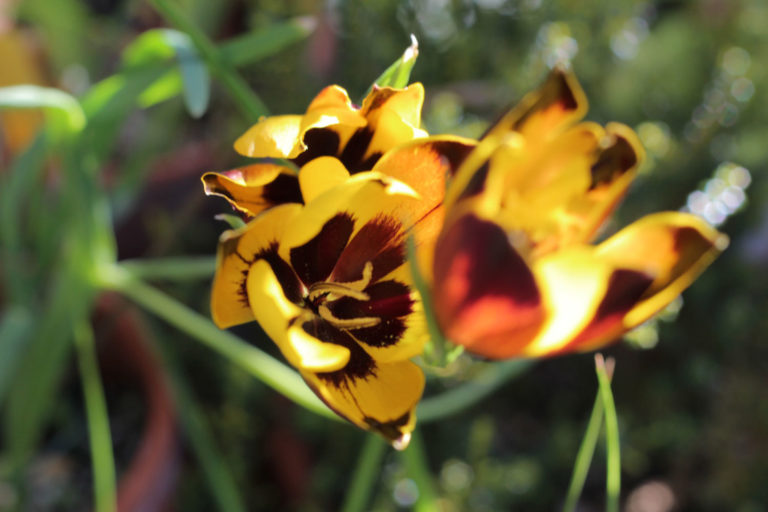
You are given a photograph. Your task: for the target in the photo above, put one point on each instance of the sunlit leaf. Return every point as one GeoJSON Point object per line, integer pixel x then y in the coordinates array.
{"type": "Point", "coordinates": [265, 42]}
{"type": "Point", "coordinates": [194, 72]}
{"type": "Point", "coordinates": [54, 100]}
{"type": "Point", "coordinates": [399, 72]}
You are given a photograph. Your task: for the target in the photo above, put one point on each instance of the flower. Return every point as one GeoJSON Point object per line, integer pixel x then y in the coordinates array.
{"type": "Point", "coordinates": [329, 283]}
{"type": "Point", "coordinates": [332, 127]}
{"type": "Point", "coordinates": [514, 273]}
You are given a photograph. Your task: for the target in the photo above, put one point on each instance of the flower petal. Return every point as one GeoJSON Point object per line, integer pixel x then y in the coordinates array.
{"type": "Point", "coordinates": [272, 137]}
{"type": "Point", "coordinates": [539, 117]}
{"type": "Point", "coordinates": [238, 249]}
{"type": "Point", "coordinates": [320, 175]}
{"type": "Point", "coordinates": [281, 319]}
{"type": "Point", "coordinates": [254, 188]}
{"type": "Point", "coordinates": [672, 247]}
{"type": "Point", "coordinates": [404, 103]}
{"type": "Point", "coordinates": [485, 295]}
{"type": "Point", "coordinates": [384, 402]}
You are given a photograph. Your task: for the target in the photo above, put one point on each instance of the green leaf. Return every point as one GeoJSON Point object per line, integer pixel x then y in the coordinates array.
{"type": "Point", "coordinates": [194, 72]}
{"type": "Point", "coordinates": [149, 47]}
{"type": "Point", "coordinates": [16, 327]}
{"type": "Point", "coordinates": [233, 221]}
{"type": "Point", "coordinates": [61, 104]}
{"type": "Point", "coordinates": [612, 446]}
{"type": "Point", "coordinates": [399, 72]}
{"type": "Point", "coordinates": [438, 351]}
{"type": "Point", "coordinates": [256, 45]}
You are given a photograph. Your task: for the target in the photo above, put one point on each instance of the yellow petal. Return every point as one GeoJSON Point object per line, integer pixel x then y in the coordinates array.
{"type": "Point", "coordinates": [672, 247]}
{"type": "Point", "coordinates": [572, 283]}
{"type": "Point", "coordinates": [254, 188]}
{"type": "Point", "coordinates": [230, 304]}
{"type": "Point", "coordinates": [281, 320]}
{"type": "Point", "coordinates": [272, 137]}
{"type": "Point", "coordinates": [404, 103]}
{"type": "Point", "coordinates": [539, 117]}
{"type": "Point", "coordinates": [384, 402]}
{"type": "Point", "coordinates": [319, 175]}
{"type": "Point", "coordinates": [362, 197]}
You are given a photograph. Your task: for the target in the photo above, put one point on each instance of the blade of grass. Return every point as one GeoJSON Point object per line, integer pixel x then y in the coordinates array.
{"type": "Point", "coordinates": [585, 455]}
{"type": "Point", "coordinates": [54, 100]}
{"type": "Point", "coordinates": [365, 474]}
{"type": "Point", "coordinates": [171, 269]}
{"type": "Point", "coordinates": [415, 461]}
{"type": "Point", "coordinates": [102, 459]}
{"type": "Point", "coordinates": [262, 43]}
{"type": "Point", "coordinates": [248, 102]}
{"type": "Point", "coordinates": [262, 366]}
{"type": "Point", "coordinates": [612, 445]}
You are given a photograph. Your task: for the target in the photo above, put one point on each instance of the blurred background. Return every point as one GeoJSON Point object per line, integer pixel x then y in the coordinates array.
{"type": "Point", "coordinates": [690, 388]}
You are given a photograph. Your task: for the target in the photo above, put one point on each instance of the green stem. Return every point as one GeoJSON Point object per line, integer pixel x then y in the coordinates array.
{"type": "Point", "coordinates": [212, 464]}
{"type": "Point", "coordinates": [365, 474]}
{"type": "Point", "coordinates": [248, 102]}
{"type": "Point", "coordinates": [262, 366]}
{"type": "Point", "coordinates": [584, 456]}
{"type": "Point", "coordinates": [456, 400]}
{"type": "Point", "coordinates": [98, 421]}
{"type": "Point", "coordinates": [415, 461]}
{"type": "Point", "coordinates": [171, 269]}
{"type": "Point", "coordinates": [612, 446]}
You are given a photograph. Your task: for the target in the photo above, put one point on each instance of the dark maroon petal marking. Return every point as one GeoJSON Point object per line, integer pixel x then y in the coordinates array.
{"type": "Point", "coordinates": [388, 299]}
{"type": "Point", "coordinates": [453, 152]}
{"type": "Point", "coordinates": [379, 241]}
{"type": "Point", "coordinates": [613, 161]}
{"type": "Point", "coordinates": [289, 281]}
{"type": "Point", "coordinates": [485, 295]}
{"type": "Point", "coordinates": [625, 289]}
{"type": "Point", "coordinates": [555, 90]}
{"type": "Point", "coordinates": [380, 97]}
{"type": "Point", "coordinates": [319, 142]}
{"type": "Point", "coordinates": [314, 260]}
{"type": "Point", "coordinates": [360, 365]}
{"type": "Point", "coordinates": [476, 183]}
{"type": "Point", "coordinates": [352, 154]}
{"type": "Point", "coordinates": [284, 189]}
{"type": "Point", "coordinates": [386, 333]}
{"type": "Point", "coordinates": [389, 429]}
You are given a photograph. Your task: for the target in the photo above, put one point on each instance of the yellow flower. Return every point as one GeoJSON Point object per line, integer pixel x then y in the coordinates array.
{"type": "Point", "coordinates": [332, 127]}
{"type": "Point", "coordinates": [514, 273]}
{"type": "Point", "coordinates": [329, 283]}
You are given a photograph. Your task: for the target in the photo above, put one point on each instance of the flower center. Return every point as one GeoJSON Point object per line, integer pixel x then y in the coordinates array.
{"type": "Point", "coordinates": [321, 293]}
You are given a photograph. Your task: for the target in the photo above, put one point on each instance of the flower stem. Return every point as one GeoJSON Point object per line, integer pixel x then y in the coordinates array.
{"type": "Point", "coordinates": [262, 366]}
{"type": "Point", "coordinates": [584, 456]}
{"type": "Point", "coordinates": [171, 269]}
{"type": "Point", "coordinates": [98, 421]}
{"type": "Point", "coordinates": [612, 446]}
{"type": "Point", "coordinates": [248, 102]}
{"type": "Point", "coordinates": [365, 474]}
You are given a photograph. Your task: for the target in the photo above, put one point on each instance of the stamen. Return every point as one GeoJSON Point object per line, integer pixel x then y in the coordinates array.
{"type": "Point", "coordinates": [347, 323]}
{"type": "Point", "coordinates": [339, 289]}
{"type": "Point", "coordinates": [362, 284]}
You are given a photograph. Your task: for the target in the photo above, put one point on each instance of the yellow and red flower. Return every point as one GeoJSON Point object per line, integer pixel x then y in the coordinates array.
{"type": "Point", "coordinates": [322, 265]}
{"type": "Point", "coordinates": [514, 273]}
{"type": "Point", "coordinates": [329, 283]}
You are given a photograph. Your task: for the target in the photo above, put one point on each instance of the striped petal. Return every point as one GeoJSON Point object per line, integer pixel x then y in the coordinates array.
{"type": "Point", "coordinates": [254, 188]}
{"type": "Point", "coordinates": [380, 397]}
{"type": "Point", "coordinates": [238, 250]}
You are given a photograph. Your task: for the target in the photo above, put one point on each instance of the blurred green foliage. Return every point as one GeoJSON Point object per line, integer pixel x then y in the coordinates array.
{"type": "Point", "coordinates": [685, 74]}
